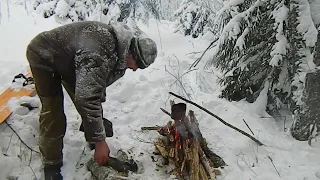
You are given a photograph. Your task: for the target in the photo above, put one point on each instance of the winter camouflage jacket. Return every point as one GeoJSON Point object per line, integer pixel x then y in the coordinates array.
{"type": "Point", "coordinates": [90, 55]}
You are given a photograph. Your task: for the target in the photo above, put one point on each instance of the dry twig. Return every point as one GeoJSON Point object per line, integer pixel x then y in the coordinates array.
{"type": "Point", "coordinates": [6, 153]}
{"type": "Point", "coordinates": [196, 62]}
{"type": "Point", "coordinates": [248, 126]}
{"type": "Point", "coordinates": [242, 158]}
{"type": "Point", "coordinates": [21, 139]}
{"type": "Point", "coordinates": [165, 111]}
{"type": "Point", "coordinates": [274, 166]}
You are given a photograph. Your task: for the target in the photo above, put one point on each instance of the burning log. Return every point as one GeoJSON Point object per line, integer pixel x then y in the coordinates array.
{"type": "Point", "coordinates": [185, 148]}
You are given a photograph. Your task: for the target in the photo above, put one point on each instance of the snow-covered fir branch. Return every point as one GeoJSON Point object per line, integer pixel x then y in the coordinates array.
{"type": "Point", "coordinates": [196, 17]}
{"type": "Point", "coordinates": [268, 41]}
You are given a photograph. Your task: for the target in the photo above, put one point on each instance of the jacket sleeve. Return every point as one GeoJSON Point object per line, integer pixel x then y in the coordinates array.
{"type": "Point", "coordinates": [91, 73]}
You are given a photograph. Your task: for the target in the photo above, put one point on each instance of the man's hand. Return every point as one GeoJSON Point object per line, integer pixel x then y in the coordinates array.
{"type": "Point", "coordinates": [102, 151]}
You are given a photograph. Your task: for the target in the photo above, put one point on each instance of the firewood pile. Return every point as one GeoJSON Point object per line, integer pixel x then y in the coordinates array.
{"type": "Point", "coordinates": [183, 147]}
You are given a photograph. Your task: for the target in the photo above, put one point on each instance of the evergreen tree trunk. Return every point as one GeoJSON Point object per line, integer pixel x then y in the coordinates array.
{"type": "Point", "coordinates": [307, 121]}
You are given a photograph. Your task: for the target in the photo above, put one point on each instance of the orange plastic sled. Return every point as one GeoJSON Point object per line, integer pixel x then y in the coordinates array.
{"type": "Point", "coordinates": [5, 111]}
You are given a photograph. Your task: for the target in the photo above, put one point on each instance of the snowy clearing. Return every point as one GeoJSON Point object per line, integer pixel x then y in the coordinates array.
{"type": "Point", "coordinates": [134, 101]}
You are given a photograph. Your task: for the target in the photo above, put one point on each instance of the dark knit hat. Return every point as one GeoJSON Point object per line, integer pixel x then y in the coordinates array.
{"type": "Point", "coordinates": [144, 51]}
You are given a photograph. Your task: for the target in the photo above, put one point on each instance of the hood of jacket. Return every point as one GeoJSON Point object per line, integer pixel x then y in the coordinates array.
{"type": "Point", "coordinates": [124, 35]}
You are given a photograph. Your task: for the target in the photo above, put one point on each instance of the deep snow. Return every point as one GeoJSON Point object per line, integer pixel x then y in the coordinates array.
{"type": "Point", "coordinates": [134, 101]}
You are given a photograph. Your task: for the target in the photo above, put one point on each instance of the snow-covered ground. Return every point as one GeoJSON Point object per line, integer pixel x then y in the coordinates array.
{"type": "Point", "coordinates": [134, 101]}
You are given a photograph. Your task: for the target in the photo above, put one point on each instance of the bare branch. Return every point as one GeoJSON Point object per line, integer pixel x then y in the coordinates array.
{"type": "Point", "coordinates": [194, 52]}
{"type": "Point", "coordinates": [6, 153]}
{"type": "Point", "coordinates": [248, 126]}
{"type": "Point", "coordinates": [34, 174]}
{"type": "Point", "coordinates": [21, 139]}
{"type": "Point", "coordinates": [180, 83]}
{"type": "Point", "coordinates": [196, 62]}
{"type": "Point", "coordinates": [274, 165]}
{"type": "Point", "coordinates": [81, 156]}
{"type": "Point", "coordinates": [165, 111]}
{"type": "Point", "coordinates": [242, 158]}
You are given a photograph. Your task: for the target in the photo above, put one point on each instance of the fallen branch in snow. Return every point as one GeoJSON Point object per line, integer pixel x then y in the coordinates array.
{"type": "Point", "coordinates": [221, 120]}
{"type": "Point", "coordinates": [24, 153]}
{"type": "Point", "coordinates": [274, 165]}
{"type": "Point", "coordinates": [21, 139]}
{"type": "Point", "coordinates": [194, 52]}
{"type": "Point", "coordinates": [196, 62]}
{"type": "Point", "coordinates": [178, 77]}
{"type": "Point", "coordinates": [29, 165]}
{"type": "Point", "coordinates": [248, 126]}
{"type": "Point", "coordinates": [255, 154]}
{"type": "Point", "coordinates": [183, 75]}
{"type": "Point", "coordinates": [242, 158]}
{"type": "Point", "coordinates": [78, 165]}
{"type": "Point", "coordinates": [8, 145]}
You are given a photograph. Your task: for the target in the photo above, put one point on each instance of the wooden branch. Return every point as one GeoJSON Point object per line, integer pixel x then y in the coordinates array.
{"type": "Point", "coordinates": [21, 139]}
{"type": "Point", "coordinates": [196, 62]}
{"type": "Point", "coordinates": [100, 172]}
{"type": "Point", "coordinates": [150, 128]}
{"type": "Point", "coordinates": [194, 170]}
{"type": "Point", "coordinates": [111, 168]}
{"type": "Point", "coordinates": [215, 160]}
{"type": "Point", "coordinates": [274, 166]}
{"type": "Point", "coordinates": [165, 111]}
{"type": "Point", "coordinates": [248, 126]}
{"type": "Point", "coordinates": [122, 166]}
{"type": "Point", "coordinates": [221, 120]}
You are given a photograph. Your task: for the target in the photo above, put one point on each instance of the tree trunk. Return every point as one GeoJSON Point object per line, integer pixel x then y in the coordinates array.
{"type": "Point", "coordinates": [307, 120]}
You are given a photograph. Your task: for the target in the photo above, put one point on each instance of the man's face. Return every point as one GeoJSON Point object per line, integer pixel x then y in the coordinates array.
{"type": "Point", "coordinates": [131, 63]}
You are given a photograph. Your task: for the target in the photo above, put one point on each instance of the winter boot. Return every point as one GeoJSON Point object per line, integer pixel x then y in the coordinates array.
{"type": "Point", "coordinates": [53, 172]}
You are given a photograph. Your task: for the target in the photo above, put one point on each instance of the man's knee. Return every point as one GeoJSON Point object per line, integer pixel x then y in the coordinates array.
{"type": "Point", "coordinates": [52, 117]}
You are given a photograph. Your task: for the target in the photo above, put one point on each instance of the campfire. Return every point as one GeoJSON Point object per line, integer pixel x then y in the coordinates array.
{"type": "Point", "coordinates": [183, 147]}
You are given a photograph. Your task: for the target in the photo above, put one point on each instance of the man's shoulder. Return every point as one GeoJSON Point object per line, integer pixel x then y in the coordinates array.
{"type": "Point", "coordinates": [80, 25]}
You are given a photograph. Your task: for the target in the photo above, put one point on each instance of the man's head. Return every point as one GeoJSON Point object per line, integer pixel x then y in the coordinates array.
{"type": "Point", "coordinates": [142, 53]}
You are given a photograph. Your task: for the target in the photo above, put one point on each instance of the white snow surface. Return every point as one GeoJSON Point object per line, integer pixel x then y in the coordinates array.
{"type": "Point", "coordinates": [134, 101]}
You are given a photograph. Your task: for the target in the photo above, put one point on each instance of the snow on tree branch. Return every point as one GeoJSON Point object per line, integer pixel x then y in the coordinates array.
{"type": "Point", "coordinates": [306, 25]}
{"type": "Point", "coordinates": [274, 43]}
{"type": "Point", "coordinates": [279, 49]}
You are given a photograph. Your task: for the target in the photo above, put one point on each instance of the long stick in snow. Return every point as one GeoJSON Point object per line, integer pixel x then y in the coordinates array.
{"type": "Point", "coordinates": [221, 120]}
{"type": "Point", "coordinates": [21, 139]}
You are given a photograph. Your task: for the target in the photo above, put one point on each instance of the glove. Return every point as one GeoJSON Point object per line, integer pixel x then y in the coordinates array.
{"type": "Point", "coordinates": [107, 126]}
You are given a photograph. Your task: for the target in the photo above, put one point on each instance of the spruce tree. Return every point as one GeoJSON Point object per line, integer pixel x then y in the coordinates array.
{"type": "Point", "coordinates": [195, 17]}
{"type": "Point", "coordinates": [268, 45]}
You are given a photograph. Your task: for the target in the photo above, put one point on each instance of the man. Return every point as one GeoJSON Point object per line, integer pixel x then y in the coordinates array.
{"type": "Point", "coordinates": [84, 57]}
